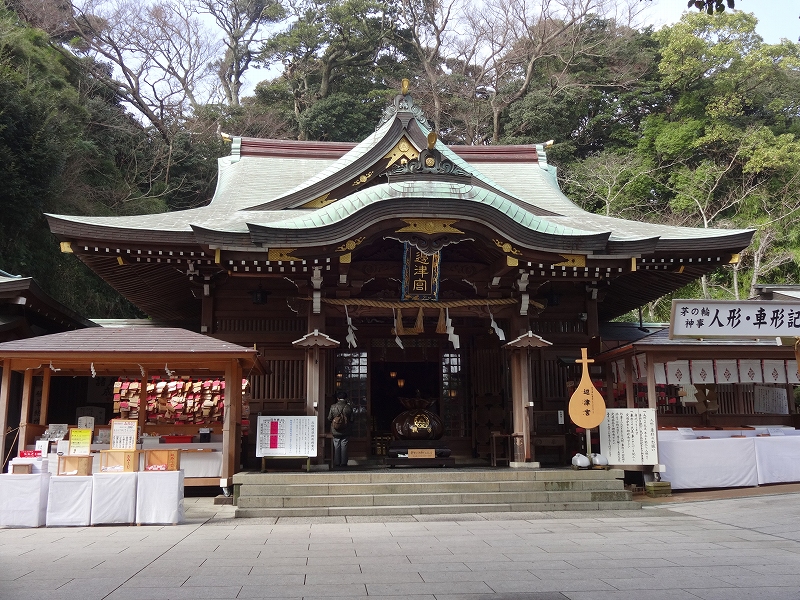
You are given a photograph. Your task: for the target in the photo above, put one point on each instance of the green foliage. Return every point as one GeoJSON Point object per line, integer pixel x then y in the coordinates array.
{"type": "Point", "coordinates": [67, 146]}
{"type": "Point", "coordinates": [335, 55]}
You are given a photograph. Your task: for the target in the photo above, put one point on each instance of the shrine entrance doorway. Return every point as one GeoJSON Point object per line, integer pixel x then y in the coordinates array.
{"type": "Point", "coordinates": [391, 381]}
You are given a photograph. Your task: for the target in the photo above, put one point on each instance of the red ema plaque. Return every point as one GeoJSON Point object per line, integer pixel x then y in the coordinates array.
{"type": "Point", "coordinates": [30, 453]}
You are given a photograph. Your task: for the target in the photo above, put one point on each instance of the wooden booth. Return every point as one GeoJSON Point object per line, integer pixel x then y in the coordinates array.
{"type": "Point", "coordinates": [420, 258]}
{"type": "Point", "coordinates": [150, 360]}
{"type": "Point", "coordinates": [726, 408]}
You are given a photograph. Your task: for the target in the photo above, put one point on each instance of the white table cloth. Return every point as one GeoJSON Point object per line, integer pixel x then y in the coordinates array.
{"type": "Point", "coordinates": [778, 459]}
{"type": "Point", "coordinates": [193, 464]}
{"type": "Point", "coordinates": [712, 463]}
{"type": "Point", "coordinates": [114, 498]}
{"type": "Point", "coordinates": [23, 500]}
{"type": "Point", "coordinates": [672, 434]}
{"type": "Point", "coordinates": [201, 464]}
{"type": "Point", "coordinates": [69, 501]}
{"type": "Point", "coordinates": [159, 497]}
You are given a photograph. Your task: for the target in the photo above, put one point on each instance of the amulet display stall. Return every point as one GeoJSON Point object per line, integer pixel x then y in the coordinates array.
{"type": "Point", "coordinates": [134, 468]}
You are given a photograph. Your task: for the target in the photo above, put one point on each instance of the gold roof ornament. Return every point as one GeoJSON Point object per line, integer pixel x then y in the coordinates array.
{"type": "Point", "coordinates": [404, 87]}
{"type": "Point", "coordinates": [432, 137]}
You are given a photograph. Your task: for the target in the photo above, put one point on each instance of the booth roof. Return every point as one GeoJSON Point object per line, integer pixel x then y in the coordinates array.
{"type": "Point", "coordinates": [128, 340]}
{"type": "Point", "coordinates": [680, 348]}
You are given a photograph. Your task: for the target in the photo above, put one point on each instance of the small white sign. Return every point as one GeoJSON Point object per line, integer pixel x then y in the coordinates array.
{"type": "Point", "coordinates": [43, 446]}
{"type": "Point", "coordinates": [286, 436]}
{"type": "Point", "coordinates": [775, 431]}
{"type": "Point", "coordinates": [86, 423]}
{"type": "Point", "coordinates": [561, 417]}
{"type": "Point", "coordinates": [124, 434]}
{"type": "Point", "coordinates": [628, 436]}
{"type": "Point", "coordinates": [686, 431]}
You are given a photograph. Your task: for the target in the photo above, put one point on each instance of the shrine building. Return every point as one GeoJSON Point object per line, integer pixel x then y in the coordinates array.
{"type": "Point", "coordinates": [454, 273]}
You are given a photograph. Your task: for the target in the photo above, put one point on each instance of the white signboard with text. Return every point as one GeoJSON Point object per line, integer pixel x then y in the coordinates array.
{"type": "Point", "coordinates": [628, 436]}
{"type": "Point", "coordinates": [734, 319]}
{"type": "Point", "coordinates": [770, 400]}
{"type": "Point", "coordinates": [124, 434]}
{"type": "Point", "coordinates": [286, 436]}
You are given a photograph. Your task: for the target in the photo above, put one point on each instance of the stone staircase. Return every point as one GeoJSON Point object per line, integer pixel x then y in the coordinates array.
{"type": "Point", "coordinates": [428, 491]}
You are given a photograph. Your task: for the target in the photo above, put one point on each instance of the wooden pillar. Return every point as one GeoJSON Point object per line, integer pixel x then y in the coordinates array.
{"type": "Point", "coordinates": [231, 439]}
{"type": "Point", "coordinates": [527, 400]}
{"type": "Point", "coordinates": [44, 409]}
{"type": "Point", "coordinates": [315, 392]}
{"type": "Point", "coordinates": [5, 394]}
{"type": "Point", "coordinates": [27, 391]}
{"type": "Point", "coordinates": [609, 385]}
{"type": "Point", "coordinates": [207, 309]}
{"type": "Point", "coordinates": [593, 323]}
{"type": "Point", "coordinates": [630, 390]}
{"type": "Point", "coordinates": [236, 413]}
{"type": "Point", "coordinates": [652, 399]}
{"type": "Point", "coordinates": [143, 400]}
{"type": "Point", "coordinates": [520, 397]}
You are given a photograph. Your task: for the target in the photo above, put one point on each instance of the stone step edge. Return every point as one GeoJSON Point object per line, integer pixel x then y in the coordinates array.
{"type": "Point", "coordinates": [401, 476]}
{"type": "Point", "coordinates": [451, 509]}
{"type": "Point", "coordinates": [464, 487]}
{"type": "Point", "coordinates": [479, 498]}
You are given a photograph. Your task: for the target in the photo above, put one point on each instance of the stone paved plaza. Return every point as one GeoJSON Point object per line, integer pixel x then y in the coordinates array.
{"type": "Point", "coordinates": [725, 549]}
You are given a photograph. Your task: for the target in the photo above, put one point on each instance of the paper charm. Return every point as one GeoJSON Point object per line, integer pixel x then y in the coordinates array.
{"type": "Point", "coordinates": [500, 333]}
{"type": "Point", "coordinates": [451, 334]}
{"type": "Point", "coordinates": [351, 329]}
{"type": "Point", "coordinates": [397, 337]}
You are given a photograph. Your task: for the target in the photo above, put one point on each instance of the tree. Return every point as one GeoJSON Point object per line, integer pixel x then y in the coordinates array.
{"type": "Point", "coordinates": [243, 23]}
{"type": "Point", "coordinates": [556, 32]}
{"type": "Point", "coordinates": [49, 159]}
{"type": "Point", "coordinates": [329, 42]}
{"type": "Point", "coordinates": [159, 53]}
{"type": "Point", "coordinates": [610, 183]}
{"type": "Point", "coordinates": [728, 132]}
{"type": "Point", "coordinates": [428, 28]}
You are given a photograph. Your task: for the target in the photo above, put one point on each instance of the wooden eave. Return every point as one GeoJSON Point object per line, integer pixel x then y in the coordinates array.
{"type": "Point", "coordinates": [160, 290]}
{"type": "Point", "coordinates": [68, 230]}
{"type": "Point", "coordinates": [634, 289]}
{"type": "Point", "coordinates": [39, 305]}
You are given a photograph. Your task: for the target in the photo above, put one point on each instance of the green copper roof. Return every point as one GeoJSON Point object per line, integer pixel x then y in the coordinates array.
{"type": "Point", "coordinates": [435, 190]}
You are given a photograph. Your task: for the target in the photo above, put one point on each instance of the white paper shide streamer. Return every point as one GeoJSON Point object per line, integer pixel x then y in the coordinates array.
{"type": "Point", "coordinates": [500, 333]}
{"type": "Point", "coordinates": [451, 334]}
{"type": "Point", "coordinates": [351, 329]}
{"type": "Point", "coordinates": [397, 337]}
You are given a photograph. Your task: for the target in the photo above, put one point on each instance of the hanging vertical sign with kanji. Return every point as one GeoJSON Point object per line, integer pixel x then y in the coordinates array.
{"type": "Point", "coordinates": [587, 408]}
{"type": "Point", "coordinates": [420, 274]}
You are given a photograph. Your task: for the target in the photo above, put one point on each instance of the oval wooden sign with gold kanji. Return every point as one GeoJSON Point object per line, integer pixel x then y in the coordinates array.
{"type": "Point", "coordinates": [587, 408]}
